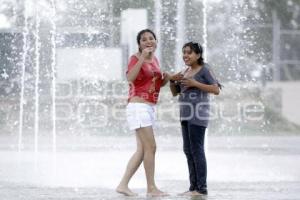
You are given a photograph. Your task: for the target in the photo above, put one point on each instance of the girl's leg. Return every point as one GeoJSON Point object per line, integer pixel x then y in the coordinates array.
{"type": "Point", "coordinates": [132, 166]}
{"type": "Point", "coordinates": [197, 136]}
{"type": "Point", "coordinates": [149, 147]}
{"type": "Point", "coordinates": [188, 153]}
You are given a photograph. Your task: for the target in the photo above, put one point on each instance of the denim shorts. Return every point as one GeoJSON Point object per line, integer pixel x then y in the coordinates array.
{"type": "Point", "coordinates": [140, 115]}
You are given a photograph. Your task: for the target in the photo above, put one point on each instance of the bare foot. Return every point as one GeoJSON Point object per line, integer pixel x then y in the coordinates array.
{"type": "Point", "coordinates": [125, 191]}
{"type": "Point", "coordinates": [157, 193]}
{"type": "Point", "coordinates": [186, 193]}
{"type": "Point", "coordinates": [195, 193]}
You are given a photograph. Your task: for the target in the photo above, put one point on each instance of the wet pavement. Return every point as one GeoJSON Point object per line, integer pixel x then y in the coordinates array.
{"type": "Point", "coordinates": [218, 191]}
{"type": "Point", "coordinates": [239, 167]}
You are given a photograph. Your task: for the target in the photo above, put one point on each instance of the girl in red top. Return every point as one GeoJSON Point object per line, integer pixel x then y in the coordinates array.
{"type": "Point", "coordinates": [145, 79]}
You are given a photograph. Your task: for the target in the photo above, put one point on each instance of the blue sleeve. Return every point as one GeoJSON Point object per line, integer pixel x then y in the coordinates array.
{"type": "Point", "coordinates": [209, 77]}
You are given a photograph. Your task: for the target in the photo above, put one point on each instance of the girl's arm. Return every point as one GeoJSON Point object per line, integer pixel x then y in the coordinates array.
{"type": "Point", "coordinates": [133, 73]}
{"type": "Point", "coordinates": [166, 78]}
{"type": "Point", "coordinates": [214, 89]}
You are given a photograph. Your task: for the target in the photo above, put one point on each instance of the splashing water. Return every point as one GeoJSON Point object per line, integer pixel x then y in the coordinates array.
{"type": "Point", "coordinates": [37, 78]}
{"type": "Point", "coordinates": [158, 26]}
{"type": "Point", "coordinates": [204, 10]}
{"type": "Point", "coordinates": [24, 56]}
{"type": "Point", "coordinates": [180, 37]}
{"type": "Point", "coordinates": [53, 64]}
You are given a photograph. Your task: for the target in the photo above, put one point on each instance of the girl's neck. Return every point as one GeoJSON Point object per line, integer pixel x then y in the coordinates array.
{"type": "Point", "coordinates": [150, 57]}
{"type": "Point", "coordinates": [195, 66]}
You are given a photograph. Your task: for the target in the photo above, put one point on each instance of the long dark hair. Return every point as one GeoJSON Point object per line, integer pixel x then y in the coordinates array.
{"type": "Point", "coordinates": [139, 35]}
{"type": "Point", "coordinates": [197, 48]}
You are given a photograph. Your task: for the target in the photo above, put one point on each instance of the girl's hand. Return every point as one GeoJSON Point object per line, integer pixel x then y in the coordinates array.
{"type": "Point", "coordinates": [147, 52]}
{"type": "Point", "coordinates": [166, 76]}
{"type": "Point", "coordinates": [189, 82]}
{"type": "Point", "coordinates": [176, 77]}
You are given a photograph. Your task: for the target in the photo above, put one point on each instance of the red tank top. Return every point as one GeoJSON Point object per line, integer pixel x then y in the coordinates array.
{"type": "Point", "coordinates": [148, 81]}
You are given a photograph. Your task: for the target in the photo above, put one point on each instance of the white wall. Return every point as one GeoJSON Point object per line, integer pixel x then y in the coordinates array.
{"type": "Point", "coordinates": [89, 63]}
{"type": "Point", "coordinates": [132, 21]}
{"type": "Point", "coordinates": [290, 99]}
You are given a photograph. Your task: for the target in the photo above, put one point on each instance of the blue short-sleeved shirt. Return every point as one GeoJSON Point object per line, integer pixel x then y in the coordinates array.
{"type": "Point", "coordinates": [194, 103]}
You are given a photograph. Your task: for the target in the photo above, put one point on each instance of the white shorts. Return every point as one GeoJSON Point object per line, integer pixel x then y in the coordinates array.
{"type": "Point", "coordinates": [140, 115]}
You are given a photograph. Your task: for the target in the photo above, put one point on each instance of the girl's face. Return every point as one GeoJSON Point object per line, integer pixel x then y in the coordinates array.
{"type": "Point", "coordinates": [147, 41]}
{"type": "Point", "coordinates": [189, 56]}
